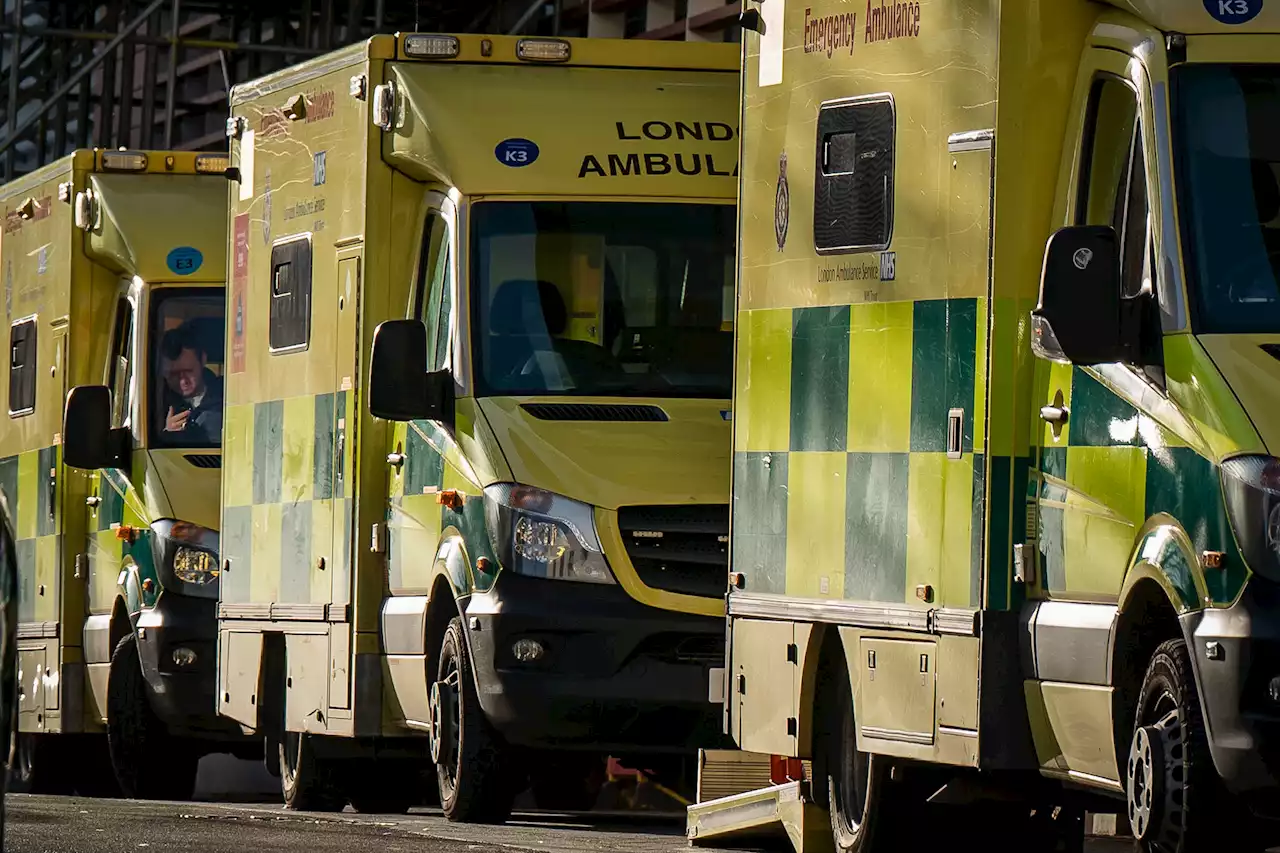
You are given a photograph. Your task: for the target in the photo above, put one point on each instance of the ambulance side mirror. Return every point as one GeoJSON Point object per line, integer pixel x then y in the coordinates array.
{"type": "Point", "coordinates": [400, 386]}
{"type": "Point", "coordinates": [1078, 319]}
{"type": "Point", "coordinates": [88, 441]}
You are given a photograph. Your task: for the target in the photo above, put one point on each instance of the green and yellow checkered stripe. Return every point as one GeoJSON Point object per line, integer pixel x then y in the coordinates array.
{"type": "Point", "coordinates": [416, 519]}
{"type": "Point", "coordinates": [1112, 468]}
{"type": "Point", "coordinates": [26, 481]}
{"type": "Point", "coordinates": [284, 491]}
{"type": "Point", "coordinates": [842, 484]}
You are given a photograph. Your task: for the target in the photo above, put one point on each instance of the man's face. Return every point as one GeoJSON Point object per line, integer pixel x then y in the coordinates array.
{"type": "Point", "coordinates": [185, 374]}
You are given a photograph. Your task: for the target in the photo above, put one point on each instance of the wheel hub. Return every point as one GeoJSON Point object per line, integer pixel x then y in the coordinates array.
{"type": "Point", "coordinates": [437, 723]}
{"type": "Point", "coordinates": [1156, 782]}
{"type": "Point", "coordinates": [1144, 770]}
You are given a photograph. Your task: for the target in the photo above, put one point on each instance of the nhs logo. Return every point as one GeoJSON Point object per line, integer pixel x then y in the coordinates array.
{"type": "Point", "coordinates": [1233, 11]}
{"type": "Point", "coordinates": [516, 152]}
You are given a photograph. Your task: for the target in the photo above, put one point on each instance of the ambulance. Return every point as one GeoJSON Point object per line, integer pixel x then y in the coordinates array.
{"type": "Point", "coordinates": [113, 265]}
{"type": "Point", "coordinates": [1005, 525]}
{"type": "Point", "coordinates": [475, 513]}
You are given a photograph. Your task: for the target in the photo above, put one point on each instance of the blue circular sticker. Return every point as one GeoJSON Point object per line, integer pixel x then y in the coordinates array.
{"type": "Point", "coordinates": [516, 152]}
{"type": "Point", "coordinates": [184, 260]}
{"type": "Point", "coordinates": [1233, 11]}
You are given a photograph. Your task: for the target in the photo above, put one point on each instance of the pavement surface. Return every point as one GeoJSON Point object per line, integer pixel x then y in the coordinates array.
{"type": "Point", "coordinates": [73, 825]}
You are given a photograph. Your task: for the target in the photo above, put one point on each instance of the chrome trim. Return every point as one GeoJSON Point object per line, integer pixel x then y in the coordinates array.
{"type": "Point", "coordinates": [962, 623]}
{"type": "Point", "coordinates": [897, 735]}
{"type": "Point", "coordinates": [244, 611]}
{"type": "Point", "coordinates": [404, 625]}
{"type": "Point", "coordinates": [299, 612]}
{"type": "Point", "coordinates": [952, 731]}
{"type": "Point", "coordinates": [845, 612]}
{"type": "Point", "coordinates": [1083, 779]}
{"type": "Point", "coordinates": [952, 621]}
{"type": "Point", "coordinates": [37, 630]}
{"type": "Point", "coordinates": [971, 140]}
{"type": "Point", "coordinates": [1071, 641]}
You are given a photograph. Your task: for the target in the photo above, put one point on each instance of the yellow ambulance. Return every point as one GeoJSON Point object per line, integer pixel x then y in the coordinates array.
{"type": "Point", "coordinates": [112, 266]}
{"type": "Point", "coordinates": [1005, 532]}
{"type": "Point", "coordinates": [520, 252]}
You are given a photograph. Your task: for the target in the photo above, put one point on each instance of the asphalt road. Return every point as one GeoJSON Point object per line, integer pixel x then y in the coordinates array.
{"type": "Point", "coordinates": [72, 825]}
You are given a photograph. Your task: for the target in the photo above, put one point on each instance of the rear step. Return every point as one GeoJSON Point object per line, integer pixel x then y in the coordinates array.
{"type": "Point", "coordinates": [747, 796]}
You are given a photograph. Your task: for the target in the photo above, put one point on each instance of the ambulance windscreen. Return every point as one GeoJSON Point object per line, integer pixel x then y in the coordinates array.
{"type": "Point", "coordinates": [188, 331]}
{"type": "Point", "coordinates": [629, 299]}
{"type": "Point", "coordinates": [1228, 146]}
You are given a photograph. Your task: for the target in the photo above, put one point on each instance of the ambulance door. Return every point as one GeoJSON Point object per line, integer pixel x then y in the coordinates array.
{"type": "Point", "coordinates": [416, 460]}
{"type": "Point", "coordinates": [1088, 442]}
{"type": "Point", "coordinates": [99, 567]}
{"type": "Point", "coordinates": [346, 362]}
{"type": "Point", "coordinates": [418, 455]}
{"type": "Point", "coordinates": [1091, 453]}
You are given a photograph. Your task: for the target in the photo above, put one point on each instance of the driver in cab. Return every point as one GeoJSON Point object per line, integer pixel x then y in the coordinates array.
{"type": "Point", "coordinates": [193, 392]}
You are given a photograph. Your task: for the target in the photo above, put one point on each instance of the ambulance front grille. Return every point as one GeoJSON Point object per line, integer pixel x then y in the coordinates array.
{"type": "Point", "coordinates": [595, 412]}
{"type": "Point", "coordinates": [682, 549]}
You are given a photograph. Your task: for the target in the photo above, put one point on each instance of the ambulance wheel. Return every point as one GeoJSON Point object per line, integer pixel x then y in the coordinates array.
{"type": "Point", "coordinates": [149, 764]}
{"type": "Point", "coordinates": [386, 787]}
{"type": "Point", "coordinates": [37, 766]}
{"type": "Point", "coordinates": [1176, 803]}
{"type": "Point", "coordinates": [567, 783]}
{"type": "Point", "coordinates": [309, 783]}
{"type": "Point", "coordinates": [472, 764]}
{"type": "Point", "coordinates": [866, 816]}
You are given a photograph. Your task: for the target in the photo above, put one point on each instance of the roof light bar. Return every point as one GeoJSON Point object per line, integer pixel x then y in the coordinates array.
{"type": "Point", "coordinates": [212, 164]}
{"type": "Point", "coordinates": [543, 50]}
{"type": "Point", "coordinates": [431, 47]}
{"type": "Point", "coordinates": [124, 161]}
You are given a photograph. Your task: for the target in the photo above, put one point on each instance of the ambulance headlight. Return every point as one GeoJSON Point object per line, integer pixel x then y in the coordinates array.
{"type": "Point", "coordinates": [1251, 490]}
{"type": "Point", "coordinates": [186, 556]}
{"type": "Point", "coordinates": [194, 566]}
{"type": "Point", "coordinates": [545, 535]}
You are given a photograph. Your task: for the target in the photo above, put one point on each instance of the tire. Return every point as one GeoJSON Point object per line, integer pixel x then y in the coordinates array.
{"type": "Point", "coordinates": [473, 767]}
{"type": "Point", "coordinates": [1175, 800]}
{"type": "Point", "coordinates": [867, 815]}
{"type": "Point", "coordinates": [309, 784]}
{"type": "Point", "coordinates": [566, 783]}
{"type": "Point", "coordinates": [148, 763]}
{"type": "Point", "coordinates": [386, 787]}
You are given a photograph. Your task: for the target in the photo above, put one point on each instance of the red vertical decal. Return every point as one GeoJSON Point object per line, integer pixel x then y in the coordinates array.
{"type": "Point", "coordinates": [239, 284]}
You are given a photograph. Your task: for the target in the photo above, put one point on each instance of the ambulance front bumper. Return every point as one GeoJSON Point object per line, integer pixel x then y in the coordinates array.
{"type": "Point", "coordinates": [611, 675]}
{"type": "Point", "coordinates": [1236, 655]}
{"type": "Point", "coordinates": [177, 643]}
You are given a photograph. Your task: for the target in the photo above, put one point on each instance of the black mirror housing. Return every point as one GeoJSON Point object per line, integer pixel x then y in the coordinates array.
{"type": "Point", "coordinates": [88, 441]}
{"type": "Point", "coordinates": [1080, 315]}
{"type": "Point", "coordinates": [400, 386]}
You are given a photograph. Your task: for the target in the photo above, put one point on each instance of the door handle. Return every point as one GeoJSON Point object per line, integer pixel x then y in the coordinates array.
{"type": "Point", "coordinates": [1054, 414]}
{"type": "Point", "coordinates": [93, 501]}
{"type": "Point", "coordinates": [395, 460]}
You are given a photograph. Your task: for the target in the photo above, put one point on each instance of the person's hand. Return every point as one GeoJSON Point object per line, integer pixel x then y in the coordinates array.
{"type": "Point", "coordinates": [176, 423]}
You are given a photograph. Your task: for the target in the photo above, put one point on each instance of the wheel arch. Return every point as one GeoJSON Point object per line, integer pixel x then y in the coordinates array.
{"type": "Point", "coordinates": [1147, 616]}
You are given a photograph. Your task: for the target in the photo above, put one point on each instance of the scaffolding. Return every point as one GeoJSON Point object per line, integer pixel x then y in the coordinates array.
{"type": "Point", "coordinates": [156, 73]}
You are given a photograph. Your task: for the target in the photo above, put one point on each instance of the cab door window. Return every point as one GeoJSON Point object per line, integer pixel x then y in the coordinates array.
{"type": "Point", "coordinates": [121, 379]}
{"type": "Point", "coordinates": [434, 291]}
{"type": "Point", "coordinates": [1113, 184]}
